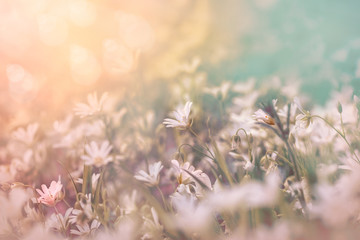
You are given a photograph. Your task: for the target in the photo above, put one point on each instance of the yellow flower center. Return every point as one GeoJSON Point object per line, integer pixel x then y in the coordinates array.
{"type": "Point", "coordinates": [98, 160]}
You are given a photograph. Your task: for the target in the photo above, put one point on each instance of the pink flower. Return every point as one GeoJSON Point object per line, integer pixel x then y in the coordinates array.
{"type": "Point", "coordinates": [50, 196]}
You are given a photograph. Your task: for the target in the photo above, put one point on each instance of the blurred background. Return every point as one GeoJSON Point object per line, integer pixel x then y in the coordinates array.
{"type": "Point", "coordinates": [53, 53]}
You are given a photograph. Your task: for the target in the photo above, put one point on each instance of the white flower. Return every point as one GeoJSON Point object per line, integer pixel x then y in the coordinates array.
{"type": "Point", "coordinates": [184, 177]}
{"type": "Point", "coordinates": [193, 216]}
{"type": "Point", "coordinates": [96, 155]}
{"type": "Point", "coordinates": [248, 195]}
{"type": "Point", "coordinates": [94, 178]}
{"type": "Point", "coordinates": [249, 166]}
{"type": "Point", "coordinates": [153, 226]}
{"type": "Point", "coordinates": [23, 164]}
{"type": "Point", "coordinates": [85, 229]}
{"type": "Point", "coordinates": [263, 116]}
{"type": "Point", "coordinates": [63, 126]}
{"type": "Point", "coordinates": [79, 215]}
{"type": "Point", "coordinates": [151, 178]}
{"type": "Point", "coordinates": [32, 213]}
{"type": "Point", "coordinates": [129, 203]}
{"type": "Point", "coordinates": [93, 107]}
{"type": "Point", "coordinates": [27, 135]}
{"type": "Point", "coordinates": [58, 222]}
{"type": "Point", "coordinates": [220, 92]}
{"type": "Point", "coordinates": [191, 66]}
{"type": "Point", "coordinates": [304, 119]}
{"type": "Point", "coordinates": [283, 112]}
{"type": "Point", "coordinates": [182, 191]}
{"type": "Point", "coordinates": [182, 120]}
{"type": "Point", "coordinates": [337, 205]}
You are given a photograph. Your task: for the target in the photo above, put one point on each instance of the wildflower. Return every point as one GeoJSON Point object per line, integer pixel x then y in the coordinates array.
{"type": "Point", "coordinates": [27, 135]}
{"type": "Point", "coordinates": [50, 196]}
{"type": "Point", "coordinates": [220, 92]}
{"type": "Point", "coordinates": [96, 155]}
{"type": "Point", "coordinates": [129, 203]}
{"type": "Point", "coordinates": [304, 119]}
{"type": "Point", "coordinates": [85, 229]}
{"type": "Point", "coordinates": [193, 216]}
{"type": "Point", "coordinates": [184, 177]}
{"type": "Point", "coordinates": [263, 116]}
{"type": "Point", "coordinates": [248, 165]}
{"type": "Point", "coordinates": [63, 126]}
{"type": "Point", "coordinates": [58, 221]}
{"type": "Point", "coordinates": [93, 107]}
{"type": "Point", "coordinates": [81, 215]}
{"type": "Point", "coordinates": [153, 226]}
{"type": "Point", "coordinates": [31, 213]}
{"type": "Point", "coordinates": [192, 65]}
{"type": "Point", "coordinates": [151, 178]}
{"type": "Point", "coordinates": [23, 164]}
{"type": "Point", "coordinates": [94, 179]}
{"type": "Point", "coordinates": [182, 120]}
{"type": "Point", "coordinates": [183, 191]}
{"type": "Point", "coordinates": [250, 194]}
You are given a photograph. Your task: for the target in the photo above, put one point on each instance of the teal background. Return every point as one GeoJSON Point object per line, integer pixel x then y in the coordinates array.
{"type": "Point", "coordinates": [294, 38]}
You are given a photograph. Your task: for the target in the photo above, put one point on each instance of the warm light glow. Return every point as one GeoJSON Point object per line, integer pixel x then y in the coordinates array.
{"type": "Point", "coordinates": [85, 68]}
{"type": "Point", "coordinates": [22, 85]}
{"type": "Point", "coordinates": [135, 31]}
{"type": "Point", "coordinates": [179, 119]}
{"type": "Point", "coordinates": [53, 30]}
{"type": "Point", "coordinates": [117, 58]}
{"type": "Point", "coordinates": [82, 12]}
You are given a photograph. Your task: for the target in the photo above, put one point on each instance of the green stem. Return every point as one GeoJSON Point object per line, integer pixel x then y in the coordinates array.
{"type": "Point", "coordinates": [195, 149]}
{"type": "Point", "coordinates": [341, 134]}
{"type": "Point", "coordinates": [248, 141]}
{"type": "Point", "coordinates": [293, 160]}
{"type": "Point", "coordinates": [67, 204]}
{"type": "Point", "coordinates": [162, 197]}
{"type": "Point", "coordinates": [62, 225]}
{"type": "Point", "coordinates": [71, 178]}
{"type": "Point", "coordinates": [198, 138]}
{"type": "Point", "coordinates": [280, 156]}
{"type": "Point", "coordinates": [342, 124]}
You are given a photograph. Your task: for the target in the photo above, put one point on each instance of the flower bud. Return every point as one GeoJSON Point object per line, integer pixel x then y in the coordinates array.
{"type": "Point", "coordinates": [339, 107]}
{"type": "Point", "coordinates": [235, 143]}
{"type": "Point", "coordinates": [251, 139]}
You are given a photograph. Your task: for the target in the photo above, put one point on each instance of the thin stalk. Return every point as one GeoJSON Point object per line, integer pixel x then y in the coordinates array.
{"type": "Point", "coordinates": [198, 138]}
{"type": "Point", "coordinates": [195, 149]}
{"type": "Point", "coordinates": [297, 175]}
{"type": "Point", "coordinates": [71, 178]}
{"type": "Point", "coordinates": [62, 225]}
{"type": "Point", "coordinates": [288, 118]}
{"type": "Point", "coordinates": [67, 204]}
{"type": "Point", "coordinates": [292, 158]}
{"type": "Point", "coordinates": [280, 156]}
{"type": "Point", "coordinates": [341, 135]}
{"type": "Point", "coordinates": [162, 197]}
{"type": "Point", "coordinates": [342, 125]}
{"type": "Point", "coordinates": [248, 141]}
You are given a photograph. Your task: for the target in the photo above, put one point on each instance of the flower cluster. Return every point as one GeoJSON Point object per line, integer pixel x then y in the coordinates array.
{"type": "Point", "coordinates": [147, 145]}
{"type": "Point", "coordinates": [231, 174]}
